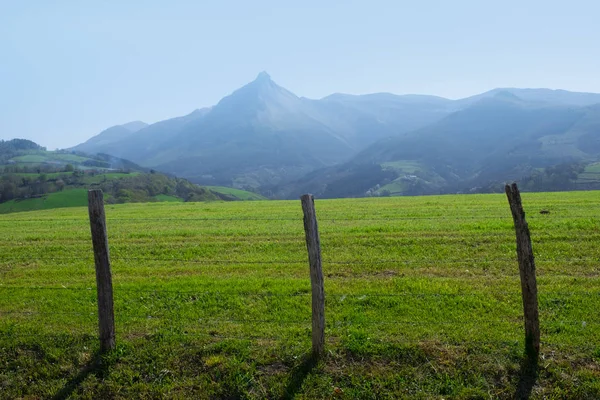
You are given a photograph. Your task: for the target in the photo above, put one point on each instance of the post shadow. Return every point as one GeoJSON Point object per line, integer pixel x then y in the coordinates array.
{"type": "Point", "coordinates": [298, 375]}
{"type": "Point", "coordinates": [528, 375]}
{"type": "Point", "coordinates": [97, 366]}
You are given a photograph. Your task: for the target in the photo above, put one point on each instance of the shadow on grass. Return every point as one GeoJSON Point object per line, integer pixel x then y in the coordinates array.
{"type": "Point", "coordinates": [527, 378]}
{"type": "Point", "coordinates": [98, 366]}
{"type": "Point", "coordinates": [298, 375]}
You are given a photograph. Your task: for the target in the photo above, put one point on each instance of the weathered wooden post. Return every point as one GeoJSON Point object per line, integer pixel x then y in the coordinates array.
{"type": "Point", "coordinates": [313, 245]}
{"type": "Point", "coordinates": [106, 316]}
{"type": "Point", "coordinates": [527, 272]}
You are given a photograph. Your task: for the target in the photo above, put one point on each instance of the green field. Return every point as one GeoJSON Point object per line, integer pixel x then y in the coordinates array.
{"type": "Point", "coordinates": [212, 300]}
{"type": "Point", "coordinates": [49, 156]}
{"type": "Point", "coordinates": [68, 157]}
{"type": "Point", "coordinates": [34, 175]}
{"type": "Point", "coordinates": [591, 174]}
{"type": "Point", "coordinates": [67, 198]}
{"type": "Point", "coordinates": [98, 178]}
{"type": "Point", "coordinates": [237, 193]}
{"type": "Point", "coordinates": [164, 197]}
{"type": "Point", "coordinates": [31, 158]}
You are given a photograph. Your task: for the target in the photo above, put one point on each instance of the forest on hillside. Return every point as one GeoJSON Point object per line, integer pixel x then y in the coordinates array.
{"type": "Point", "coordinates": [119, 186]}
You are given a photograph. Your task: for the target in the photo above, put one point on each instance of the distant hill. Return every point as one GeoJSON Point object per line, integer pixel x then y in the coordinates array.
{"type": "Point", "coordinates": [16, 147]}
{"type": "Point", "coordinates": [548, 96]}
{"type": "Point", "coordinates": [108, 139]}
{"type": "Point", "coordinates": [32, 178]}
{"type": "Point", "coordinates": [27, 156]}
{"type": "Point", "coordinates": [266, 139]}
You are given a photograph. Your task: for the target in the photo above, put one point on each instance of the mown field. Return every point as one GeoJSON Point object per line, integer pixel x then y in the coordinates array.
{"type": "Point", "coordinates": [591, 174]}
{"type": "Point", "coordinates": [67, 198]}
{"type": "Point", "coordinates": [212, 300]}
{"type": "Point", "coordinates": [237, 193]}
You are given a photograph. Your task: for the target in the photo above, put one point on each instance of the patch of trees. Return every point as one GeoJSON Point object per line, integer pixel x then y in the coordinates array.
{"type": "Point", "coordinates": [14, 147]}
{"type": "Point", "coordinates": [145, 188]}
{"type": "Point", "coordinates": [560, 177]}
{"type": "Point", "coordinates": [17, 185]}
{"type": "Point", "coordinates": [136, 188]}
{"type": "Point", "coordinates": [359, 180]}
{"type": "Point", "coordinates": [96, 163]}
{"type": "Point", "coordinates": [118, 163]}
{"type": "Point", "coordinates": [35, 169]}
{"type": "Point", "coordinates": [22, 187]}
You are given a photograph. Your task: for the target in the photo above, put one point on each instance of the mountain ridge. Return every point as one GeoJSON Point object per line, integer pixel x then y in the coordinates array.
{"type": "Point", "coordinates": [263, 135]}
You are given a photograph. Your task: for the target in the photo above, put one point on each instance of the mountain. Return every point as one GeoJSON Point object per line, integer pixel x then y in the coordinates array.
{"type": "Point", "coordinates": [142, 145]}
{"type": "Point", "coordinates": [108, 139]}
{"type": "Point", "coordinates": [495, 139]}
{"type": "Point", "coordinates": [264, 137]}
{"type": "Point", "coordinates": [135, 126]}
{"type": "Point", "coordinates": [263, 134]}
{"type": "Point", "coordinates": [548, 96]}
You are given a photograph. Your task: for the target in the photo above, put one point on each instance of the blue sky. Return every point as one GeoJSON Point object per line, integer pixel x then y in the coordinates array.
{"type": "Point", "coordinates": [69, 69]}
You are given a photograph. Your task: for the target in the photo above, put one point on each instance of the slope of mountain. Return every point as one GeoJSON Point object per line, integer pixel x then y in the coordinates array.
{"type": "Point", "coordinates": [365, 119]}
{"type": "Point", "coordinates": [548, 96]}
{"type": "Point", "coordinates": [497, 138]}
{"type": "Point", "coordinates": [107, 140]}
{"type": "Point", "coordinates": [134, 126]}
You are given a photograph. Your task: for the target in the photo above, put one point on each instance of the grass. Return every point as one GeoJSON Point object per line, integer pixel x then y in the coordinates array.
{"type": "Point", "coordinates": [591, 174]}
{"type": "Point", "coordinates": [395, 188]}
{"type": "Point", "coordinates": [66, 198]}
{"type": "Point", "coordinates": [164, 197]}
{"type": "Point", "coordinates": [31, 158]}
{"type": "Point", "coordinates": [67, 157]}
{"type": "Point", "coordinates": [49, 156]}
{"type": "Point", "coordinates": [49, 175]}
{"type": "Point", "coordinates": [403, 166]}
{"type": "Point", "coordinates": [89, 179]}
{"type": "Point", "coordinates": [99, 178]}
{"type": "Point", "coordinates": [212, 300]}
{"type": "Point", "coordinates": [237, 193]}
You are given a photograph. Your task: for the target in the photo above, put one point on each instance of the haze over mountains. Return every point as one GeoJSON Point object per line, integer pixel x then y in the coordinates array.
{"type": "Point", "coordinates": [266, 138]}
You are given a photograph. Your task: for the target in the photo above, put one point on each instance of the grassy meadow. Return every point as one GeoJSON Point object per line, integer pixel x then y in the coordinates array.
{"type": "Point", "coordinates": [67, 198]}
{"type": "Point", "coordinates": [237, 193]}
{"type": "Point", "coordinates": [212, 300]}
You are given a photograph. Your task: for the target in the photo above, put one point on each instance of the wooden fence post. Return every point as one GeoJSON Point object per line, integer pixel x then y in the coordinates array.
{"type": "Point", "coordinates": [106, 316]}
{"type": "Point", "coordinates": [313, 245]}
{"type": "Point", "coordinates": [527, 272]}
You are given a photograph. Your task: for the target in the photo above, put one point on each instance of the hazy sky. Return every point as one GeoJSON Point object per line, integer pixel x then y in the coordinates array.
{"type": "Point", "coordinates": [69, 69]}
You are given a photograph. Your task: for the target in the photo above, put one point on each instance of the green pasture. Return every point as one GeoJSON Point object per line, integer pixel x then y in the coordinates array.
{"type": "Point", "coordinates": [212, 300]}
{"type": "Point", "coordinates": [66, 198]}
{"type": "Point", "coordinates": [237, 193]}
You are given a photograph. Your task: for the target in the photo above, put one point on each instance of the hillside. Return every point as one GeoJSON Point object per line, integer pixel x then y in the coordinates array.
{"type": "Point", "coordinates": [545, 96]}
{"type": "Point", "coordinates": [493, 140]}
{"type": "Point", "coordinates": [32, 178]}
{"type": "Point", "coordinates": [20, 155]}
{"type": "Point", "coordinates": [108, 139]}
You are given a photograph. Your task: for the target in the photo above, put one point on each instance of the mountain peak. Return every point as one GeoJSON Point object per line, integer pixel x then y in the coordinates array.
{"type": "Point", "coordinates": [506, 95]}
{"type": "Point", "coordinates": [134, 126]}
{"type": "Point", "coordinates": [263, 76]}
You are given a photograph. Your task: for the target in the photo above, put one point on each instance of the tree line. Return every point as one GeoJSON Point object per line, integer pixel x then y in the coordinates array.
{"type": "Point", "coordinates": [138, 187]}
